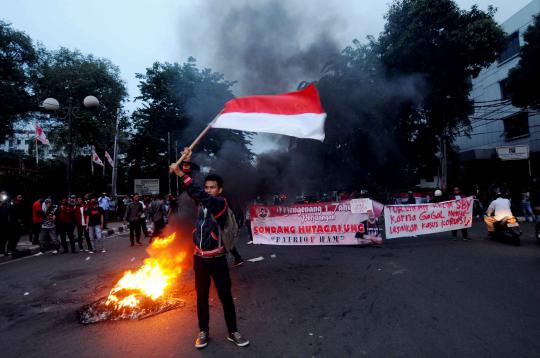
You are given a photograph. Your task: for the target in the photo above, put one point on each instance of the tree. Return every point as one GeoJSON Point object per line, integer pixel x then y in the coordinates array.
{"type": "Point", "coordinates": [523, 79]}
{"type": "Point", "coordinates": [448, 47]}
{"type": "Point", "coordinates": [70, 76]}
{"type": "Point", "coordinates": [17, 59]}
{"type": "Point", "coordinates": [179, 100]}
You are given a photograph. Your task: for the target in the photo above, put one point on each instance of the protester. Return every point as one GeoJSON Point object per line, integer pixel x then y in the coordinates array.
{"type": "Point", "coordinates": [37, 220]}
{"type": "Point", "coordinates": [410, 198]}
{"type": "Point", "coordinates": [437, 196]}
{"type": "Point", "coordinates": [66, 224]}
{"type": "Point", "coordinates": [5, 222]}
{"type": "Point", "coordinates": [47, 236]}
{"type": "Point", "coordinates": [457, 196]}
{"type": "Point", "coordinates": [209, 259]}
{"type": "Point", "coordinates": [82, 225]}
{"type": "Point", "coordinates": [18, 221]}
{"type": "Point", "coordinates": [133, 213]}
{"type": "Point", "coordinates": [96, 224]}
{"type": "Point", "coordinates": [526, 206]}
{"type": "Point", "coordinates": [104, 203]}
{"type": "Point", "coordinates": [142, 220]}
{"type": "Point", "coordinates": [157, 212]}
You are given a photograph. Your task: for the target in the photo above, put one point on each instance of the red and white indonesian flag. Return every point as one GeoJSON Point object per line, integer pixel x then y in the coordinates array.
{"type": "Point", "coordinates": [297, 114]}
{"type": "Point", "coordinates": [95, 158]}
{"type": "Point", "coordinates": [40, 135]}
{"type": "Point", "coordinates": [109, 159]}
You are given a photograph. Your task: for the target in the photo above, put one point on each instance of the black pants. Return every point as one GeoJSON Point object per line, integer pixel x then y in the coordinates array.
{"type": "Point", "coordinates": [36, 229]}
{"type": "Point", "coordinates": [134, 231]}
{"type": "Point", "coordinates": [250, 233]}
{"type": "Point", "coordinates": [158, 227]}
{"type": "Point", "coordinates": [66, 229]}
{"type": "Point", "coordinates": [463, 232]}
{"type": "Point", "coordinates": [143, 227]}
{"type": "Point", "coordinates": [81, 230]}
{"type": "Point", "coordinates": [236, 254]}
{"type": "Point", "coordinates": [217, 269]}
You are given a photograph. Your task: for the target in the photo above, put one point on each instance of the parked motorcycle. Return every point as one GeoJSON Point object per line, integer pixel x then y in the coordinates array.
{"type": "Point", "coordinates": [507, 231]}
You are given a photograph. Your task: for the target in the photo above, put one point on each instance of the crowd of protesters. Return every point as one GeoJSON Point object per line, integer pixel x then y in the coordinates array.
{"type": "Point", "coordinates": [78, 223]}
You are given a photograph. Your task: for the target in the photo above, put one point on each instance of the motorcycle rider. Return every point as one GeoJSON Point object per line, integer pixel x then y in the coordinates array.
{"type": "Point", "coordinates": [498, 209]}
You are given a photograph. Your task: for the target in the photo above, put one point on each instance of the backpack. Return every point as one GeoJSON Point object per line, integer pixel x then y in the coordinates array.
{"type": "Point", "coordinates": [229, 232]}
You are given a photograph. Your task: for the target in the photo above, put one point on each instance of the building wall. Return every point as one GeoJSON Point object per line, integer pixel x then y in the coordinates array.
{"type": "Point", "coordinates": [488, 131]}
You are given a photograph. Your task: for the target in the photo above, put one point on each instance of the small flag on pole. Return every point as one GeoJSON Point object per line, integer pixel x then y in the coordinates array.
{"type": "Point", "coordinates": [40, 135]}
{"type": "Point", "coordinates": [297, 114]}
{"type": "Point", "coordinates": [109, 159]}
{"type": "Point", "coordinates": [95, 157]}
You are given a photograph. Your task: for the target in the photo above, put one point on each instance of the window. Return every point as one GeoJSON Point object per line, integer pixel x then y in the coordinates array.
{"type": "Point", "coordinates": [516, 126]}
{"type": "Point", "coordinates": [512, 47]}
{"type": "Point", "coordinates": [19, 142]}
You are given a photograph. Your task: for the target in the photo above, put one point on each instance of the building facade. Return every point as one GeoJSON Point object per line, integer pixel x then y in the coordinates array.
{"type": "Point", "coordinates": [496, 123]}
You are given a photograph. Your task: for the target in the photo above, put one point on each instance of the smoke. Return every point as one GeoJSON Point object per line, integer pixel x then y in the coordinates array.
{"type": "Point", "coordinates": [268, 46]}
{"type": "Point", "coordinates": [271, 46]}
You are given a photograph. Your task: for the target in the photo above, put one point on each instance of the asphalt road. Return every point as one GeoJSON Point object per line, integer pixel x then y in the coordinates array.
{"type": "Point", "coordinates": [415, 297]}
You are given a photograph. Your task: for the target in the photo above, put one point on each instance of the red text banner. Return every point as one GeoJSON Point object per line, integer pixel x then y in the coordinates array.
{"type": "Point", "coordinates": [307, 224]}
{"type": "Point", "coordinates": [422, 219]}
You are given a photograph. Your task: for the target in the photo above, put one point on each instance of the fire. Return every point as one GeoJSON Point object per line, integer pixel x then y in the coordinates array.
{"type": "Point", "coordinates": [152, 279]}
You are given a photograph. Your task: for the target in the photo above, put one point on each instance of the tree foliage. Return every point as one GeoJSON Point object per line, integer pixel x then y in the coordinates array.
{"type": "Point", "coordinates": [523, 79]}
{"type": "Point", "coordinates": [18, 57]}
{"type": "Point", "coordinates": [447, 46]}
{"type": "Point", "coordinates": [70, 76]}
{"type": "Point", "coordinates": [179, 100]}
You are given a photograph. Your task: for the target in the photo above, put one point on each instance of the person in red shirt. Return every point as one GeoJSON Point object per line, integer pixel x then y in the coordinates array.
{"type": "Point", "coordinates": [66, 224]}
{"type": "Point", "coordinates": [37, 220]}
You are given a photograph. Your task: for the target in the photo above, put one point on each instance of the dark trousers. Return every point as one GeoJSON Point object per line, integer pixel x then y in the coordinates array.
{"type": "Point", "coordinates": [134, 231]}
{"type": "Point", "coordinates": [36, 229]}
{"type": "Point", "coordinates": [142, 224]}
{"type": "Point", "coordinates": [158, 227]}
{"type": "Point", "coordinates": [81, 230]}
{"type": "Point", "coordinates": [463, 232]}
{"type": "Point", "coordinates": [18, 230]}
{"type": "Point", "coordinates": [216, 269]}
{"type": "Point", "coordinates": [236, 254]}
{"type": "Point", "coordinates": [4, 238]}
{"type": "Point", "coordinates": [66, 229]}
{"type": "Point", "coordinates": [250, 233]}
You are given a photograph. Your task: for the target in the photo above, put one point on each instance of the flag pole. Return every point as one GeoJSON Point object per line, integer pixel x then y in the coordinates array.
{"type": "Point", "coordinates": [195, 142]}
{"type": "Point", "coordinates": [92, 160]}
{"type": "Point", "coordinates": [37, 154]}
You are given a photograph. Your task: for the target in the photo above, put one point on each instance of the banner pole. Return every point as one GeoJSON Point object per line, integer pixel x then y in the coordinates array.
{"type": "Point", "coordinates": [195, 142]}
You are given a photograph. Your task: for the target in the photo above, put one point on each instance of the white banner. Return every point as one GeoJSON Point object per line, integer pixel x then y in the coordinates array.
{"type": "Point", "coordinates": [311, 224]}
{"type": "Point", "coordinates": [422, 219]}
{"type": "Point", "coordinates": [146, 186]}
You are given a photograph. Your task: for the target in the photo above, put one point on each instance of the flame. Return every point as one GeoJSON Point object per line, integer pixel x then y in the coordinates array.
{"type": "Point", "coordinates": [152, 279]}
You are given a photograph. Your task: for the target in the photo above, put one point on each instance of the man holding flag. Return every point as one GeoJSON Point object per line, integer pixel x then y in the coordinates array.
{"type": "Point", "coordinates": [298, 114]}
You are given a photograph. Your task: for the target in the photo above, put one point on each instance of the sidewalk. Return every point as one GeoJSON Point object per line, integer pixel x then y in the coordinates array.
{"type": "Point", "coordinates": [25, 247]}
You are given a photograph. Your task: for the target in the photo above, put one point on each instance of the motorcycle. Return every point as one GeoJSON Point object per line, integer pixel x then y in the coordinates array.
{"type": "Point", "coordinates": [507, 231]}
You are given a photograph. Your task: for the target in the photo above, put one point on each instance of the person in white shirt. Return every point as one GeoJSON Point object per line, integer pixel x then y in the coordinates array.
{"type": "Point", "coordinates": [497, 210]}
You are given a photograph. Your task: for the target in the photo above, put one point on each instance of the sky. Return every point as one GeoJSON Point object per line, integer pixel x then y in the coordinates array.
{"type": "Point", "coordinates": [133, 34]}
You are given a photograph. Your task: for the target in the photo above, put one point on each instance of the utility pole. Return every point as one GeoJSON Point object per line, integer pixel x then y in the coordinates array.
{"type": "Point", "coordinates": [176, 156]}
{"type": "Point", "coordinates": [115, 156]}
{"type": "Point", "coordinates": [169, 158]}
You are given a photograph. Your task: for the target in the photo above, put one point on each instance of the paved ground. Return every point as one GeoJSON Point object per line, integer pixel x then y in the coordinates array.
{"type": "Point", "coordinates": [416, 297]}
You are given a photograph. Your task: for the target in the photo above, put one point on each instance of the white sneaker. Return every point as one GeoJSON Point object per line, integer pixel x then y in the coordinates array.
{"type": "Point", "coordinates": [90, 252]}
{"type": "Point", "coordinates": [38, 254]}
{"type": "Point", "coordinates": [54, 252]}
{"type": "Point", "coordinates": [103, 251]}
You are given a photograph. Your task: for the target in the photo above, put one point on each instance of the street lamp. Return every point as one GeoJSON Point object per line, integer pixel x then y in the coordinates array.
{"type": "Point", "coordinates": [51, 104]}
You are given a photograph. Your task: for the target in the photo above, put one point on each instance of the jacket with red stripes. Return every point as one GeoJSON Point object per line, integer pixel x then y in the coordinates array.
{"type": "Point", "coordinates": [212, 213]}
